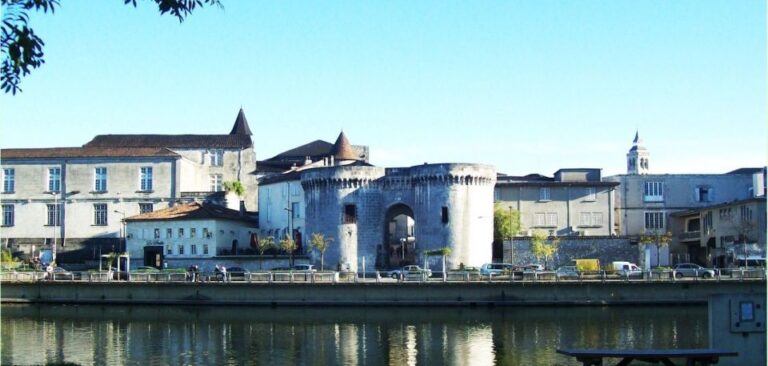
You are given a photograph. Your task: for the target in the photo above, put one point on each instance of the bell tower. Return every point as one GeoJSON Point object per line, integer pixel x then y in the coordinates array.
{"type": "Point", "coordinates": [637, 157]}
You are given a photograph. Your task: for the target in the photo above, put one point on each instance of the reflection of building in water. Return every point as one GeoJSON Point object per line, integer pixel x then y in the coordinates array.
{"type": "Point", "coordinates": [470, 345]}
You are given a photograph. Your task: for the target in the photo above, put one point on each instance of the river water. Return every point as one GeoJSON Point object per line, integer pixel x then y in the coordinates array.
{"type": "Point", "coordinates": [239, 335]}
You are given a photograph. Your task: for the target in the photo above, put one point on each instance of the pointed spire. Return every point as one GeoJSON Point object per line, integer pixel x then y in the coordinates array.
{"type": "Point", "coordinates": [241, 125]}
{"type": "Point", "coordinates": [342, 149]}
{"type": "Point", "coordinates": [637, 137]}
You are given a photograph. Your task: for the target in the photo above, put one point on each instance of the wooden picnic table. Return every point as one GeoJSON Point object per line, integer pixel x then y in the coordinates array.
{"type": "Point", "coordinates": [696, 356]}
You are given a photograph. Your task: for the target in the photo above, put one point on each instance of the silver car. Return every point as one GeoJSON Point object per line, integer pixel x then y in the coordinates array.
{"type": "Point", "coordinates": [692, 270]}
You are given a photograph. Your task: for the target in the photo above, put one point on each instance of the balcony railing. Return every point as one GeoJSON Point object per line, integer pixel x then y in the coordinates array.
{"type": "Point", "coordinates": [690, 235]}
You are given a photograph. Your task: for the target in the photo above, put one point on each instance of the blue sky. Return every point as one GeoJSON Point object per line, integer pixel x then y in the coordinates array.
{"type": "Point", "coordinates": [527, 86]}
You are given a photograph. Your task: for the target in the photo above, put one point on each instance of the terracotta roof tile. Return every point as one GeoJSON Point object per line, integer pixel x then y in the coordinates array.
{"type": "Point", "coordinates": [192, 211]}
{"type": "Point", "coordinates": [342, 149]}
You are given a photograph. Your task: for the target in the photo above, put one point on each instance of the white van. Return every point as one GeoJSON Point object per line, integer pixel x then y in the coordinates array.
{"type": "Point", "coordinates": [626, 268]}
{"type": "Point", "coordinates": [495, 268]}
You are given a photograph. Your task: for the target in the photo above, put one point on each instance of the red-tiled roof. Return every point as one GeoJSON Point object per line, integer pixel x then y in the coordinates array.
{"type": "Point", "coordinates": [192, 211]}
{"type": "Point", "coordinates": [85, 152]}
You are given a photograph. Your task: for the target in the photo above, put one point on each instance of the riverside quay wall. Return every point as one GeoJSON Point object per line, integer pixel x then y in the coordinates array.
{"type": "Point", "coordinates": [378, 294]}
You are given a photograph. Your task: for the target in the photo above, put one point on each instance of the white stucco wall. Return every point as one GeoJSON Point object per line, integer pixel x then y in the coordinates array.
{"type": "Point", "coordinates": [223, 232]}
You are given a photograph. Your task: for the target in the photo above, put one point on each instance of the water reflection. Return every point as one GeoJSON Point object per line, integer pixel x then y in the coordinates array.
{"type": "Point", "coordinates": [145, 335]}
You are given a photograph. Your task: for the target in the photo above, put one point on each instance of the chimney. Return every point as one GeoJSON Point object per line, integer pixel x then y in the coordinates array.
{"type": "Point", "coordinates": [242, 208]}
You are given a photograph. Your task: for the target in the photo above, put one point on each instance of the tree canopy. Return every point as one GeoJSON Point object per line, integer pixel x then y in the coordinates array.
{"type": "Point", "coordinates": [506, 222]}
{"type": "Point", "coordinates": [22, 49]}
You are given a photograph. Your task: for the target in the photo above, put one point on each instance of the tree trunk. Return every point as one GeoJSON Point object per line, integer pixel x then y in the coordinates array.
{"type": "Point", "coordinates": [322, 260]}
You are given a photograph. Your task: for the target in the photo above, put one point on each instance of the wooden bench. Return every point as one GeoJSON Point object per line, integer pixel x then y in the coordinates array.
{"type": "Point", "coordinates": [698, 356]}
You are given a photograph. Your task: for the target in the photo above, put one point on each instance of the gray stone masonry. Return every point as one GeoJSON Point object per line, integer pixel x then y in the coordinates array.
{"type": "Point", "coordinates": [605, 249]}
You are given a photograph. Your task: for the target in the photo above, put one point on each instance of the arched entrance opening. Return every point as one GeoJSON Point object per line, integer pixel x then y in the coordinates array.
{"type": "Point", "coordinates": [399, 247]}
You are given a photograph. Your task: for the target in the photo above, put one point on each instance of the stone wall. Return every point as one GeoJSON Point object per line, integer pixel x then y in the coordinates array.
{"type": "Point", "coordinates": [606, 249]}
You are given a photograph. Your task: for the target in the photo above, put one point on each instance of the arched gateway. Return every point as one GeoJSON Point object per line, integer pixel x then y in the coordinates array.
{"type": "Point", "coordinates": [368, 212]}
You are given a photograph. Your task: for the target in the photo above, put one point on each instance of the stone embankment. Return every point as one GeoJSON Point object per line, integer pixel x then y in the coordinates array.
{"type": "Point", "coordinates": [377, 294]}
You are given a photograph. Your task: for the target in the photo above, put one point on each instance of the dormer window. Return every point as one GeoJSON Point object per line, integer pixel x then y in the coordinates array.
{"type": "Point", "coordinates": [703, 194]}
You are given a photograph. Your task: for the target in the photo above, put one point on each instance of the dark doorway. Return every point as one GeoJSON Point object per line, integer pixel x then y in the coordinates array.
{"type": "Point", "coordinates": [399, 237]}
{"type": "Point", "coordinates": [153, 256]}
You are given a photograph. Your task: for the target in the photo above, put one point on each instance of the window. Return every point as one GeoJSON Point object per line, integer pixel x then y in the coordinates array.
{"type": "Point", "coordinates": [745, 213]}
{"type": "Point", "coordinates": [296, 210]}
{"type": "Point", "coordinates": [205, 249]}
{"type": "Point", "coordinates": [193, 233]}
{"type": "Point", "coordinates": [653, 192]}
{"type": "Point", "coordinates": [205, 233]}
{"type": "Point", "coordinates": [544, 194]}
{"type": "Point", "coordinates": [693, 225]}
{"type": "Point", "coordinates": [146, 178]}
{"type": "Point", "coordinates": [350, 214]}
{"type": "Point", "coordinates": [181, 232]}
{"type": "Point", "coordinates": [8, 215]}
{"type": "Point", "coordinates": [654, 220]}
{"type": "Point", "coordinates": [54, 214]}
{"type": "Point", "coordinates": [216, 157]}
{"type": "Point", "coordinates": [586, 219]}
{"type": "Point", "coordinates": [9, 180]}
{"type": "Point", "coordinates": [726, 213]}
{"type": "Point", "coordinates": [548, 219]}
{"type": "Point", "coordinates": [100, 180]}
{"type": "Point", "coordinates": [707, 222]}
{"type": "Point", "coordinates": [216, 183]}
{"type": "Point", "coordinates": [157, 233]}
{"type": "Point", "coordinates": [181, 249]}
{"type": "Point", "coordinates": [54, 179]}
{"type": "Point", "coordinates": [193, 249]}
{"type": "Point", "coordinates": [168, 233]}
{"type": "Point", "coordinates": [146, 207]}
{"type": "Point", "coordinates": [169, 249]}
{"type": "Point", "coordinates": [597, 218]}
{"type": "Point", "coordinates": [703, 194]}
{"type": "Point", "coordinates": [444, 215]}
{"type": "Point", "coordinates": [99, 213]}
{"type": "Point", "coordinates": [590, 194]}
{"type": "Point", "coordinates": [551, 219]}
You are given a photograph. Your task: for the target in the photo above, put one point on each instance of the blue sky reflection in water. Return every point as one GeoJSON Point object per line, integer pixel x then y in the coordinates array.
{"type": "Point", "coordinates": [147, 335]}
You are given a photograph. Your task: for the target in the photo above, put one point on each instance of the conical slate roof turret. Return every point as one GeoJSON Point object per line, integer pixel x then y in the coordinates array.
{"type": "Point", "coordinates": [241, 125]}
{"type": "Point", "coordinates": [342, 149]}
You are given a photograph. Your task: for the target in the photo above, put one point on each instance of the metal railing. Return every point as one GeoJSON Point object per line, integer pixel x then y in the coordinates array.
{"type": "Point", "coordinates": [304, 277]}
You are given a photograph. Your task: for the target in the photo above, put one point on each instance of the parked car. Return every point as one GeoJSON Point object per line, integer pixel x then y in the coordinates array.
{"type": "Point", "coordinates": [409, 269]}
{"type": "Point", "coordinates": [495, 269]}
{"type": "Point", "coordinates": [567, 272]}
{"type": "Point", "coordinates": [304, 268]}
{"type": "Point", "coordinates": [692, 270]}
{"type": "Point", "coordinates": [237, 273]}
{"type": "Point", "coordinates": [533, 267]}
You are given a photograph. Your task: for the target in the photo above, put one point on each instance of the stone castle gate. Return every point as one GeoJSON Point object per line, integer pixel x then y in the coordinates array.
{"type": "Point", "coordinates": [388, 217]}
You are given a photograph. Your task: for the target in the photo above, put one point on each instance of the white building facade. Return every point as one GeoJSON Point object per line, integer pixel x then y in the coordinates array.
{"type": "Point", "coordinates": [79, 196]}
{"type": "Point", "coordinates": [187, 233]}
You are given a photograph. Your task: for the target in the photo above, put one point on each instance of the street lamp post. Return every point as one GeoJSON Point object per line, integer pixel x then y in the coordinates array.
{"type": "Point", "coordinates": [56, 215]}
{"type": "Point", "coordinates": [511, 243]}
{"type": "Point", "coordinates": [122, 231]}
{"type": "Point", "coordinates": [290, 227]}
